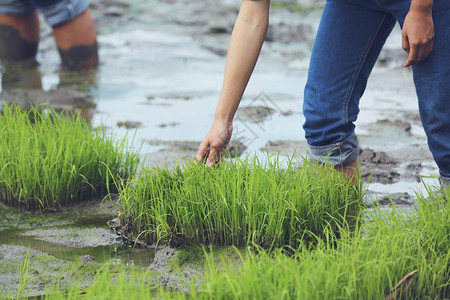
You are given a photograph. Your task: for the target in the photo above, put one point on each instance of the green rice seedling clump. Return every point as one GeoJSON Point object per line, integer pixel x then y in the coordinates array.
{"type": "Point", "coordinates": [364, 263]}
{"type": "Point", "coordinates": [110, 282]}
{"type": "Point", "coordinates": [48, 159]}
{"type": "Point", "coordinates": [243, 202]}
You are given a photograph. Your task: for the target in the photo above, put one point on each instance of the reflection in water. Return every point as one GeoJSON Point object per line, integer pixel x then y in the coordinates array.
{"type": "Point", "coordinates": [82, 81]}
{"type": "Point", "coordinates": [22, 84]}
{"type": "Point", "coordinates": [21, 75]}
{"type": "Point", "coordinates": [137, 256]}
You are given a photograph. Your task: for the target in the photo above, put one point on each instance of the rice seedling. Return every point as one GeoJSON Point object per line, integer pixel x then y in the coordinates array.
{"type": "Point", "coordinates": [24, 278]}
{"type": "Point", "coordinates": [243, 202]}
{"type": "Point", "coordinates": [366, 263]}
{"type": "Point", "coordinates": [48, 159]}
{"type": "Point", "coordinates": [133, 283]}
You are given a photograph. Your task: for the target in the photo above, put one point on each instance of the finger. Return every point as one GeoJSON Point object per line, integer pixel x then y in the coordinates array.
{"type": "Point", "coordinates": [430, 47]}
{"type": "Point", "coordinates": [412, 57]}
{"type": "Point", "coordinates": [212, 157]}
{"type": "Point", "coordinates": [421, 55]}
{"type": "Point", "coordinates": [221, 155]}
{"type": "Point", "coordinates": [425, 52]}
{"type": "Point", "coordinates": [405, 43]}
{"type": "Point", "coordinates": [203, 150]}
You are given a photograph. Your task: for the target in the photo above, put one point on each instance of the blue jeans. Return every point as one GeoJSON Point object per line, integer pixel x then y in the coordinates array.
{"type": "Point", "coordinates": [349, 40]}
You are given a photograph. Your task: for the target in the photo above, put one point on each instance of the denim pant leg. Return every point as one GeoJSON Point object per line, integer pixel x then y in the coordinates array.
{"type": "Point", "coordinates": [16, 7]}
{"type": "Point", "coordinates": [432, 80]}
{"type": "Point", "coordinates": [62, 11]}
{"type": "Point", "coordinates": [348, 42]}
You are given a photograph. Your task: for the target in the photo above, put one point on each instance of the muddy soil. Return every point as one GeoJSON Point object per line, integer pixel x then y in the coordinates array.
{"type": "Point", "coordinates": [406, 158]}
{"type": "Point", "coordinates": [177, 152]}
{"type": "Point", "coordinates": [75, 237]}
{"type": "Point", "coordinates": [57, 98]}
{"type": "Point", "coordinates": [176, 268]}
{"type": "Point", "coordinates": [173, 273]}
{"type": "Point", "coordinates": [44, 270]}
{"type": "Point", "coordinates": [62, 244]}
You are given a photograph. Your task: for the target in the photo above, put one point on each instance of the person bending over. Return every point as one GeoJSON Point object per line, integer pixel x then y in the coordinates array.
{"type": "Point", "coordinates": [350, 37]}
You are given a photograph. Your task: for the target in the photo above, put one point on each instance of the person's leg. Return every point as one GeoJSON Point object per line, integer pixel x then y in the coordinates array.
{"type": "Point", "coordinates": [19, 30]}
{"type": "Point", "coordinates": [432, 80]}
{"type": "Point", "coordinates": [74, 32]}
{"type": "Point", "coordinates": [77, 44]}
{"type": "Point", "coordinates": [348, 42]}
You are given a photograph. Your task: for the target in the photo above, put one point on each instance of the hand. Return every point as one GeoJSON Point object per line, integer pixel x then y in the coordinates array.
{"type": "Point", "coordinates": [417, 36]}
{"type": "Point", "coordinates": [215, 142]}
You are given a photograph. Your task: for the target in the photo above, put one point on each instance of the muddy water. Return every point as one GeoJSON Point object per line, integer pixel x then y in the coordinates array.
{"type": "Point", "coordinates": [117, 252]}
{"type": "Point", "coordinates": [71, 234]}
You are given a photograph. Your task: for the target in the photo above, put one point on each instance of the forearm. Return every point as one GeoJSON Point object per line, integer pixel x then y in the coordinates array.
{"type": "Point", "coordinates": [245, 45]}
{"type": "Point", "coordinates": [422, 5]}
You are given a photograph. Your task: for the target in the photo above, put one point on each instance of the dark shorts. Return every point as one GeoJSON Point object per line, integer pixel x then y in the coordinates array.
{"type": "Point", "coordinates": [54, 11]}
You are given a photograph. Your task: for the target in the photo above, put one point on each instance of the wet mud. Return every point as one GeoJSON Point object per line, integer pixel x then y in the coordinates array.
{"type": "Point", "coordinates": [254, 114]}
{"type": "Point", "coordinates": [62, 244]}
{"type": "Point", "coordinates": [75, 237]}
{"type": "Point", "coordinates": [176, 268]}
{"type": "Point", "coordinates": [287, 148]}
{"type": "Point", "coordinates": [44, 270]}
{"type": "Point", "coordinates": [177, 152]}
{"type": "Point", "coordinates": [169, 277]}
{"type": "Point", "coordinates": [377, 166]}
{"type": "Point", "coordinates": [63, 98]}
{"type": "Point", "coordinates": [129, 236]}
{"type": "Point", "coordinates": [129, 124]}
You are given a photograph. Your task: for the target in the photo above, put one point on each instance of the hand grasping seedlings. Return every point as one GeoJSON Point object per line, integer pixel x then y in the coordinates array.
{"type": "Point", "coordinates": [213, 147]}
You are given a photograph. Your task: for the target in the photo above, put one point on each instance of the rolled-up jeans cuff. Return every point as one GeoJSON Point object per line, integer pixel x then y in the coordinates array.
{"type": "Point", "coordinates": [16, 7]}
{"type": "Point", "coordinates": [63, 11]}
{"type": "Point", "coordinates": [342, 153]}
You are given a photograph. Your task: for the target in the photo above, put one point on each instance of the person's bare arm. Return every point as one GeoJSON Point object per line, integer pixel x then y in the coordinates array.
{"type": "Point", "coordinates": [418, 31]}
{"type": "Point", "coordinates": [245, 45]}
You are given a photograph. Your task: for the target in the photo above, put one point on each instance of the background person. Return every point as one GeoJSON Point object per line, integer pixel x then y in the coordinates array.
{"type": "Point", "coordinates": [72, 25]}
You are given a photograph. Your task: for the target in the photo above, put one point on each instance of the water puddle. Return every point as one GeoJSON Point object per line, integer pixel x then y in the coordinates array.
{"type": "Point", "coordinates": [87, 235]}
